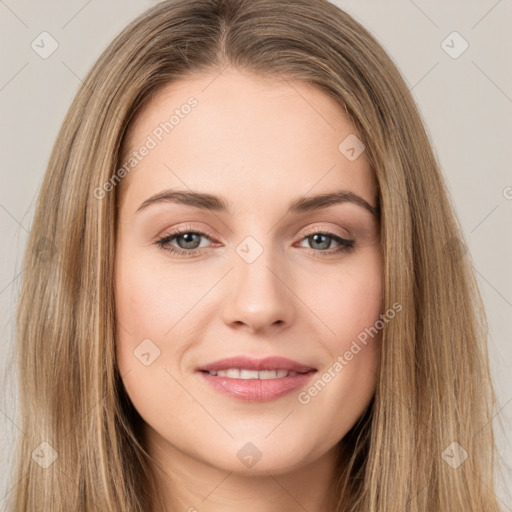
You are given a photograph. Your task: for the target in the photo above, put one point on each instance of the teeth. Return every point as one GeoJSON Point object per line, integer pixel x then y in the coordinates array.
{"type": "Point", "coordinates": [235, 373]}
{"type": "Point", "coordinates": [267, 374]}
{"type": "Point", "coordinates": [249, 374]}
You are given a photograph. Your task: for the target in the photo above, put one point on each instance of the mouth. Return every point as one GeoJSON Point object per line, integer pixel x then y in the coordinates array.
{"type": "Point", "coordinates": [256, 380]}
{"type": "Point", "coordinates": [246, 374]}
{"type": "Point", "coordinates": [246, 366]}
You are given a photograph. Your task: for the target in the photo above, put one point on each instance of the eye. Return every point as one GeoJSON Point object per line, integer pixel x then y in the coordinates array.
{"type": "Point", "coordinates": [322, 240]}
{"type": "Point", "coordinates": [188, 242]}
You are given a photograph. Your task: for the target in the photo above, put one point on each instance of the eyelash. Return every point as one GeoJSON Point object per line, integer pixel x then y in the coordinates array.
{"type": "Point", "coordinates": [346, 245]}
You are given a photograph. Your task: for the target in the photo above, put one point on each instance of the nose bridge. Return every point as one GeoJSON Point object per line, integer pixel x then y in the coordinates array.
{"type": "Point", "coordinates": [257, 296]}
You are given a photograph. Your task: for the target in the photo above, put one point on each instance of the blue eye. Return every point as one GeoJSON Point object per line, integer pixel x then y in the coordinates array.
{"type": "Point", "coordinates": [189, 242]}
{"type": "Point", "coordinates": [320, 238]}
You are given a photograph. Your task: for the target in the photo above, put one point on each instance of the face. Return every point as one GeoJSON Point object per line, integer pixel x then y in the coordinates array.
{"type": "Point", "coordinates": [223, 252]}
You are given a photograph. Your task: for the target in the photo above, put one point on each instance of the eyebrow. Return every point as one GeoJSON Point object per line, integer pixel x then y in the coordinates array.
{"type": "Point", "coordinates": [219, 204]}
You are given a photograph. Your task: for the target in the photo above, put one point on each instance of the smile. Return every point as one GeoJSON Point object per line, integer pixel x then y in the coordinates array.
{"type": "Point", "coordinates": [236, 373]}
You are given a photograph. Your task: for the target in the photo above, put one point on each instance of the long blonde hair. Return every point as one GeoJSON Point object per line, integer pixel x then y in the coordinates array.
{"type": "Point", "coordinates": [434, 386]}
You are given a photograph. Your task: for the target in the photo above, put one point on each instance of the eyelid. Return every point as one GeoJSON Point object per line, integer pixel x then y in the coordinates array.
{"type": "Point", "coordinates": [327, 231]}
{"type": "Point", "coordinates": [185, 229]}
{"type": "Point", "coordinates": [205, 232]}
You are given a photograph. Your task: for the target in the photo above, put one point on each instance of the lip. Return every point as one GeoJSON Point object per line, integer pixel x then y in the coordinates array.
{"type": "Point", "coordinates": [267, 363]}
{"type": "Point", "coordinates": [256, 390]}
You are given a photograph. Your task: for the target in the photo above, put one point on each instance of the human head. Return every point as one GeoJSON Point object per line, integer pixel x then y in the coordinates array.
{"type": "Point", "coordinates": [258, 286]}
{"type": "Point", "coordinates": [309, 42]}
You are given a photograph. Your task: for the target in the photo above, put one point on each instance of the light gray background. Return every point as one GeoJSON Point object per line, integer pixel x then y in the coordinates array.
{"type": "Point", "coordinates": [466, 103]}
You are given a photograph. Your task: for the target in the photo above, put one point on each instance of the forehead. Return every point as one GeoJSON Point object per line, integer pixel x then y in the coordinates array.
{"type": "Point", "coordinates": [245, 137]}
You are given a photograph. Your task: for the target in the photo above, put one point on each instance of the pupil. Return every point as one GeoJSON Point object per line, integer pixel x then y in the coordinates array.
{"type": "Point", "coordinates": [325, 244]}
{"type": "Point", "coordinates": [190, 243]}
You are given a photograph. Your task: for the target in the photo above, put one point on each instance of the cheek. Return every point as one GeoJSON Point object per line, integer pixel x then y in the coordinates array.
{"type": "Point", "coordinates": [149, 300]}
{"type": "Point", "coordinates": [153, 303]}
{"type": "Point", "coordinates": [350, 306]}
{"type": "Point", "coordinates": [146, 309]}
{"type": "Point", "coordinates": [142, 312]}
{"type": "Point", "coordinates": [349, 299]}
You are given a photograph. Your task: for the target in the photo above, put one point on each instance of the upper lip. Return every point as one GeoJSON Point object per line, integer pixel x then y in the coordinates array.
{"type": "Point", "coordinates": [249, 363]}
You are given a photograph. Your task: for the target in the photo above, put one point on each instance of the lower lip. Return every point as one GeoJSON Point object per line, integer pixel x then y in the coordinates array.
{"type": "Point", "coordinates": [257, 390]}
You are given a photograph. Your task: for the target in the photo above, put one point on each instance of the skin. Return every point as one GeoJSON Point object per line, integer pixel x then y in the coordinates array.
{"type": "Point", "coordinates": [259, 143]}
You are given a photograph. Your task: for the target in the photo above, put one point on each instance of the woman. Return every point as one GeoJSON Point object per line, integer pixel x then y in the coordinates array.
{"type": "Point", "coordinates": [191, 347]}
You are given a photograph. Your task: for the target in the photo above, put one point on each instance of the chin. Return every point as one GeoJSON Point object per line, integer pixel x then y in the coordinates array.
{"type": "Point", "coordinates": [258, 458]}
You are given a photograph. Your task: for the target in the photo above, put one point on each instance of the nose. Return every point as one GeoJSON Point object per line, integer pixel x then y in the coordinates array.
{"type": "Point", "coordinates": [258, 297]}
